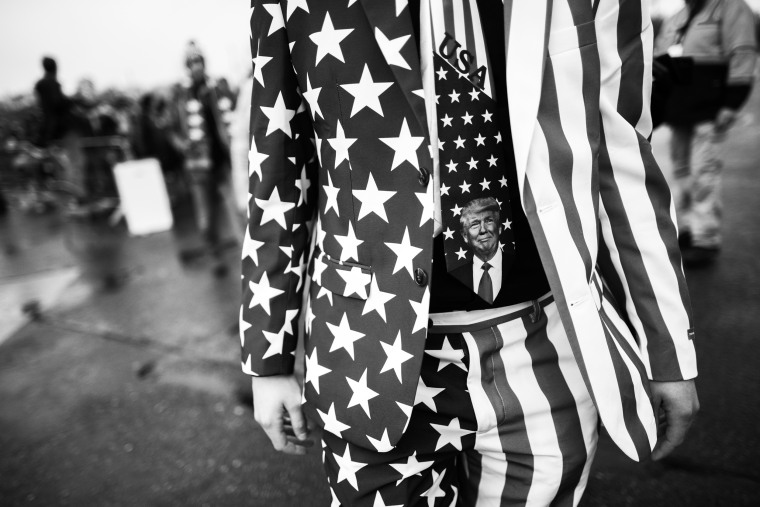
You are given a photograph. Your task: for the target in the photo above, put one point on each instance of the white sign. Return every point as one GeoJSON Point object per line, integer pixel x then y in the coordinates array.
{"type": "Point", "coordinates": [143, 196]}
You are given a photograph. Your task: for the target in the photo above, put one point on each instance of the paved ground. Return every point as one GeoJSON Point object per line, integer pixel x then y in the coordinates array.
{"type": "Point", "coordinates": [133, 395]}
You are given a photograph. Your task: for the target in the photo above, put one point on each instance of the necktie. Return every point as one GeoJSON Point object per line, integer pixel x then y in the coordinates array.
{"type": "Point", "coordinates": [475, 209]}
{"type": "Point", "coordinates": [485, 288]}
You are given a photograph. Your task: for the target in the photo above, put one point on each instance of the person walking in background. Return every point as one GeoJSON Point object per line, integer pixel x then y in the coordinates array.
{"type": "Point", "coordinates": [55, 106]}
{"type": "Point", "coordinates": [374, 124]}
{"type": "Point", "coordinates": [201, 135]}
{"type": "Point", "coordinates": [716, 38]}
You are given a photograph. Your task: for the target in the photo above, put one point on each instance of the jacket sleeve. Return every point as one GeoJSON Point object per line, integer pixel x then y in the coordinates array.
{"type": "Point", "coordinates": [738, 41]}
{"type": "Point", "coordinates": [281, 201]}
{"type": "Point", "coordinates": [639, 257]}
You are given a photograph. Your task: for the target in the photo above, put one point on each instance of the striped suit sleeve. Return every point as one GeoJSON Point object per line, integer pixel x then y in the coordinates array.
{"type": "Point", "coordinates": [640, 258]}
{"type": "Point", "coordinates": [281, 201]}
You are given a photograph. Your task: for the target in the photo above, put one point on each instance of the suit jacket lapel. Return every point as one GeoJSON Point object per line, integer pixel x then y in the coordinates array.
{"type": "Point", "coordinates": [388, 24]}
{"type": "Point", "coordinates": [526, 31]}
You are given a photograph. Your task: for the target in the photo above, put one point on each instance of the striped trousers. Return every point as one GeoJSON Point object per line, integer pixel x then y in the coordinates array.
{"type": "Point", "coordinates": [501, 417]}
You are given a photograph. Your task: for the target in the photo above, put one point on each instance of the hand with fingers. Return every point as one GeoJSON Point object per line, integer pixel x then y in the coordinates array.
{"type": "Point", "coordinates": [676, 404]}
{"type": "Point", "coordinates": [277, 408]}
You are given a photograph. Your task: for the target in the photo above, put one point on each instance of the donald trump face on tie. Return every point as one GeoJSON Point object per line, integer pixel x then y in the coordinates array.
{"type": "Point", "coordinates": [481, 227]}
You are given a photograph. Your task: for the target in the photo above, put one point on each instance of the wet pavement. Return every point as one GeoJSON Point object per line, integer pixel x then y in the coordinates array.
{"type": "Point", "coordinates": [130, 393]}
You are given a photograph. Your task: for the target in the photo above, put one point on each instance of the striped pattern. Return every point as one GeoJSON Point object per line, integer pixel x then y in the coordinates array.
{"type": "Point", "coordinates": [528, 425]}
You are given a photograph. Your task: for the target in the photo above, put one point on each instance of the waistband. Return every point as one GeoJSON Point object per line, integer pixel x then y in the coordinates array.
{"type": "Point", "coordinates": [465, 322]}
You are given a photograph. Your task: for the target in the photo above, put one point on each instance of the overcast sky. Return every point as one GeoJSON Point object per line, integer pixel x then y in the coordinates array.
{"type": "Point", "coordinates": [130, 42]}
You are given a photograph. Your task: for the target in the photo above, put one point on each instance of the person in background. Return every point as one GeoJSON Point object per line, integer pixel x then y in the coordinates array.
{"type": "Point", "coordinates": [200, 134]}
{"type": "Point", "coordinates": [718, 36]}
{"type": "Point", "coordinates": [54, 104]}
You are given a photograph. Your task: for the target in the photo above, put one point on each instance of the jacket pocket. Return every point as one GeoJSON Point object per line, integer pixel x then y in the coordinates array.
{"type": "Point", "coordinates": [348, 279]}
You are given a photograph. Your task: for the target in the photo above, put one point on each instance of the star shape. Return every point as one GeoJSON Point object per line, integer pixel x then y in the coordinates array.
{"type": "Point", "coordinates": [485, 185]}
{"type": "Point", "coordinates": [279, 116]}
{"type": "Point", "coordinates": [274, 209]}
{"type": "Point", "coordinates": [474, 94]}
{"type": "Point", "coordinates": [452, 166]}
{"type": "Point", "coordinates": [303, 184]}
{"type": "Point", "coordinates": [472, 163]}
{"type": "Point", "coordinates": [441, 73]}
{"type": "Point", "coordinates": [263, 293]}
{"type": "Point", "coordinates": [314, 370]}
{"type": "Point", "coordinates": [255, 159]}
{"type": "Point", "coordinates": [349, 245]}
{"type": "Point", "coordinates": [343, 336]}
{"type": "Point", "coordinates": [459, 142]}
{"type": "Point", "coordinates": [507, 224]}
{"type": "Point", "coordinates": [396, 356]}
{"type": "Point", "coordinates": [277, 19]}
{"type": "Point", "coordinates": [467, 118]}
{"type": "Point", "coordinates": [347, 468]}
{"type": "Point", "coordinates": [425, 395]}
{"type": "Point", "coordinates": [275, 343]}
{"type": "Point", "coordinates": [328, 40]}
{"type": "Point", "coordinates": [497, 137]}
{"type": "Point", "coordinates": [454, 96]}
{"type": "Point", "coordinates": [447, 355]}
{"type": "Point", "coordinates": [465, 187]}
{"type": "Point", "coordinates": [296, 4]}
{"type": "Point", "coordinates": [391, 49]}
{"type": "Point", "coordinates": [421, 311]}
{"type": "Point", "coordinates": [382, 445]}
{"type": "Point", "coordinates": [366, 93]}
{"type": "Point", "coordinates": [373, 200]}
{"type": "Point", "coordinates": [258, 65]}
{"type": "Point", "coordinates": [480, 140]}
{"type": "Point", "coordinates": [487, 116]}
{"type": "Point", "coordinates": [435, 490]}
{"type": "Point", "coordinates": [448, 233]}
{"type": "Point", "coordinates": [332, 196]}
{"type": "Point", "coordinates": [361, 393]}
{"type": "Point", "coordinates": [379, 502]}
{"type": "Point", "coordinates": [400, 5]}
{"type": "Point", "coordinates": [356, 281]}
{"type": "Point", "coordinates": [461, 254]}
{"type": "Point", "coordinates": [446, 121]}
{"type": "Point", "coordinates": [451, 433]}
{"type": "Point", "coordinates": [377, 300]}
{"type": "Point", "coordinates": [243, 326]}
{"type": "Point", "coordinates": [312, 97]}
{"type": "Point", "coordinates": [456, 210]}
{"type": "Point", "coordinates": [503, 181]}
{"type": "Point", "coordinates": [251, 248]}
{"type": "Point", "coordinates": [444, 189]}
{"type": "Point", "coordinates": [405, 254]}
{"type": "Point", "coordinates": [428, 204]}
{"type": "Point", "coordinates": [340, 143]}
{"type": "Point", "coordinates": [412, 467]}
{"type": "Point", "coordinates": [405, 146]}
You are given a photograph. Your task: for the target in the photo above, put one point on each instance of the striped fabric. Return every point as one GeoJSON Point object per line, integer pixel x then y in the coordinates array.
{"type": "Point", "coordinates": [340, 132]}
{"type": "Point", "coordinates": [501, 417]}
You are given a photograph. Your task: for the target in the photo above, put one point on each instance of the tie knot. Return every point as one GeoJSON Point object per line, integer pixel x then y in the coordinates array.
{"type": "Point", "coordinates": [486, 267]}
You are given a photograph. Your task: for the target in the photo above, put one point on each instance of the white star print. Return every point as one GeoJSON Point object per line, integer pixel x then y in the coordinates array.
{"type": "Point", "coordinates": [507, 224]}
{"type": "Point", "coordinates": [328, 40]}
{"type": "Point", "coordinates": [454, 96]}
{"type": "Point", "coordinates": [447, 355]}
{"type": "Point", "coordinates": [405, 146]}
{"type": "Point", "coordinates": [480, 140]}
{"type": "Point", "coordinates": [421, 311]}
{"type": "Point", "coordinates": [411, 467]}
{"type": "Point", "coordinates": [277, 19]}
{"type": "Point", "coordinates": [446, 121]}
{"type": "Point", "coordinates": [347, 468]}
{"type": "Point", "coordinates": [263, 293]}
{"type": "Point", "coordinates": [391, 49]}
{"type": "Point", "coordinates": [441, 73]}
{"type": "Point", "coordinates": [444, 189]}
{"type": "Point", "coordinates": [472, 163]}
{"type": "Point", "coordinates": [373, 200]}
{"type": "Point", "coordinates": [323, 292]}
{"type": "Point", "coordinates": [452, 166]}
{"type": "Point", "coordinates": [485, 184]}
{"type": "Point", "coordinates": [382, 445]}
{"type": "Point", "coordinates": [497, 137]}
{"type": "Point", "coordinates": [425, 395]}
{"type": "Point", "coordinates": [349, 245]}
{"type": "Point", "coordinates": [303, 184]}
{"type": "Point", "coordinates": [279, 116]}
{"type": "Point", "coordinates": [296, 4]}
{"type": "Point", "coordinates": [396, 356]}
{"type": "Point", "coordinates": [503, 181]}
{"type": "Point", "coordinates": [487, 116]}
{"type": "Point", "coordinates": [450, 434]}
{"type": "Point", "coordinates": [405, 254]}
{"type": "Point", "coordinates": [319, 268]}
{"type": "Point", "coordinates": [400, 4]}
{"type": "Point", "coordinates": [314, 370]}
{"type": "Point", "coordinates": [448, 233]}
{"type": "Point", "coordinates": [361, 393]}
{"type": "Point", "coordinates": [459, 142]}
{"type": "Point", "coordinates": [356, 281]}
{"type": "Point", "coordinates": [243, 326]}
{"type": "Point", "coordinates": [366, 93]}
{"type": "Point", "coordinates": [465, 187]}
{"type": "Point", "coordinates": [251, 247]}
{"type": "Point", "coordinates": [467, 118]}
{"type": "Point", "coordinates": [379, 502]}
{"type": "Point", "coordinates": [377, 300]}
{"type": "Point", "coordinates": [435, 490]}
{"type": "Point", "coordinates": [275, 343]}
{"type": "Point", "coordinates": [258, 65]}
{"type": "Point", "coordinates": [274, 209]}
{"type": "Point", "coordinates": [426, 199]}
{"type": "Point", "coordinates": [312, 97]}
{"type": "Point", "coordinates": [255, 159]}
{"type": "Point", "coordinates": [341, 144]}
{"type": "Point", "coordinates": [287, 326]}
{"type": "Point", "coordinates": [474, 95]}
{"type": "Point", "coordinates": [456, 210]}
{"type": "Point", "coordinates": [332, 196]}
{"type": "Point", "coordinates": [461, 254]}
{"type": "Point", "coordinates": [343, 336]}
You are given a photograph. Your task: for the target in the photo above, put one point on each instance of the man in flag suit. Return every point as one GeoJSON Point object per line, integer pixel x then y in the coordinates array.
{"type": "Point", "coordinates": [373, 124]}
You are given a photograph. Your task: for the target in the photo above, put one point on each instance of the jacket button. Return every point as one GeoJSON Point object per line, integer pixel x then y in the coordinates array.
{"type": "Point", "coordinates": [420, 277]}
{"type": "Point", "coordinates": [424, 177]}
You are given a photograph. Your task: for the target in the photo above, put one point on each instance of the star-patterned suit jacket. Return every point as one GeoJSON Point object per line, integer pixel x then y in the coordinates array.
{"type": "Point", "coordinates": [339, 133]}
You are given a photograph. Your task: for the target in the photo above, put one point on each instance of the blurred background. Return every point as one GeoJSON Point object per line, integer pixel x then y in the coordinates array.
{"type": "Point", "coordinates": [120, 380]}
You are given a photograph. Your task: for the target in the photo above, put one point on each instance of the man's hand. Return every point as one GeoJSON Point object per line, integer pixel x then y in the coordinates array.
{"type": "Point", "coordinates": [675, 405]}
{"type": "Point", "coordinates": [277, 407]}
